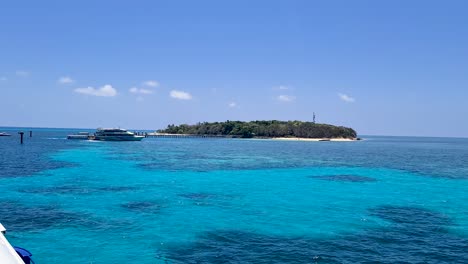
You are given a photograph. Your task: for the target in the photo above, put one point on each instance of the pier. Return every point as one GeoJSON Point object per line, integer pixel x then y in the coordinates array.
{"type": "Point", "coordinates": [165, 135]}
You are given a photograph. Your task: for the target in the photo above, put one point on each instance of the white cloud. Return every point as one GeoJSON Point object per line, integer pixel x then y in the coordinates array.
{"type": "Point", "coordinates": [346, 98]}
{"type": "Point", "coordinates": [136, 90]}
{"type": "Point", "coordinates": [106, 91]}
{"type": "Point", "coordinates": [282, 87]}
{"type": "Point", "coordinates": [22, 73]}
{"type": "Point", "coordinates": [286, 98]}
{"type": "Point", "coordinates": [3, 78]}
{"type": "Point", "coordinates": [180, 95]}
{"type": "Point", "coordinates": [65, 80]}
{"type": "Point", "coordinates": [151, 83]}
{"type": "Point", "coordinates": [232, 104]}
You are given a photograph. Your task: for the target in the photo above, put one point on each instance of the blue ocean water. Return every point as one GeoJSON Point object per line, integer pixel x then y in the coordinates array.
{"type": "Point", "coordinates": [383, 199]}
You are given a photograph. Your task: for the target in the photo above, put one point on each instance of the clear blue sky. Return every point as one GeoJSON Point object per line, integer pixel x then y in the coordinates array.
{"type": "Point", "coordinates": [381, 67]}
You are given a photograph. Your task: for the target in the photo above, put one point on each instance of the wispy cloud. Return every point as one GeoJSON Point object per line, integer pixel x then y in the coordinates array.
{"type": "Point", "coordinates": [105, 91]}
{"type": "Point", "coordinates": [22, 73]}
{"type": "Point", "coordinates": [346, 98]}
{"type": "Point", "coordinates": [136, 90]}
{"type": "Point", "coordinates": [151, 83]}
{"type": "Point", "coordinates": [65, 80]}
{"type": "Point", "coordinates": [181, 95]}
{"type": "Point", "coordinates": [282, 87]}
{"type": "Point", "coordinates": [286, 98]}
{"type": "Point", "coordinates": [3, 78]}
{"type": "Point", "coordinates": [232, 104]}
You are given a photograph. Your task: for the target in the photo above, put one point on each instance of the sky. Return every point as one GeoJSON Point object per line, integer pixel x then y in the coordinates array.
{"type": "Point", "coordinates": [380, 67]}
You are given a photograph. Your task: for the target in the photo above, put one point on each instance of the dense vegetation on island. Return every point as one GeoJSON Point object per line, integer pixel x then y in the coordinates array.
{"type": "Point", "coordinates": [268, 129]}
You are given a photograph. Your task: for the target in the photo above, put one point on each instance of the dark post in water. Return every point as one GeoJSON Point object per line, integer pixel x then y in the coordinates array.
{"type": "Point", "coordinates": [30, 133]}
{"type": "Point", "coordinates": [21, 136]}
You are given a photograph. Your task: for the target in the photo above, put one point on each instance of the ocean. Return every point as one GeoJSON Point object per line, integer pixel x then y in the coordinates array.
{"type": "Point", "coordinates": [211, 200]}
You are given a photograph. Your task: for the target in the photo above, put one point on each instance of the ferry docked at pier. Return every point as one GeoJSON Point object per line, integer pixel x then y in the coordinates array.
{"type": "Point", "coordinates": [116, 134]}
{"type": "Point", "coordinates": [107, 134]}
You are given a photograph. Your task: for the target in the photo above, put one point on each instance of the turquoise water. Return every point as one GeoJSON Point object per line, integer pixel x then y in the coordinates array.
{"type": "Point", "coordinates": [384, 199]}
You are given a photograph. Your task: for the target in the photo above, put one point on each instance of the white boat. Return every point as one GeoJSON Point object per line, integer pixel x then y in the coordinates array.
{"type": "Point", "coordinates": [11, 255]}
{"type": "Point", "coordinates": [4, 134]}
{"type": "Point", "coordinates": [80, 135]}
{"type": "Point", "coordinates": [116, 134]}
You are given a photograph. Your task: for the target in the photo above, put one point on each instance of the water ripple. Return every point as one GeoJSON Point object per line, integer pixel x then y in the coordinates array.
{"type": "Point", "coordinates": [416, 236]}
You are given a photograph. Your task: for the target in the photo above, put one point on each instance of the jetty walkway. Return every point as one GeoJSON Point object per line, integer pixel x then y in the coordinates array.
{"type": "Point", "coordinates": [165, 135]}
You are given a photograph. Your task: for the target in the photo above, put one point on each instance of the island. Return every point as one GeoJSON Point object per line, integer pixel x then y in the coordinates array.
{"type": "Point", "coordinates": [271, 129]}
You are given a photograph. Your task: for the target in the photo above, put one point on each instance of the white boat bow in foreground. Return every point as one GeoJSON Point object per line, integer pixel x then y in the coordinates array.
{"type": "Point", "coordinates": [8, 254]}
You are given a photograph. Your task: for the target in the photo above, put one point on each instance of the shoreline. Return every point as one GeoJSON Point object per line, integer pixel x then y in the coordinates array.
{"type": "Point", "coordinates": [258, 138]}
